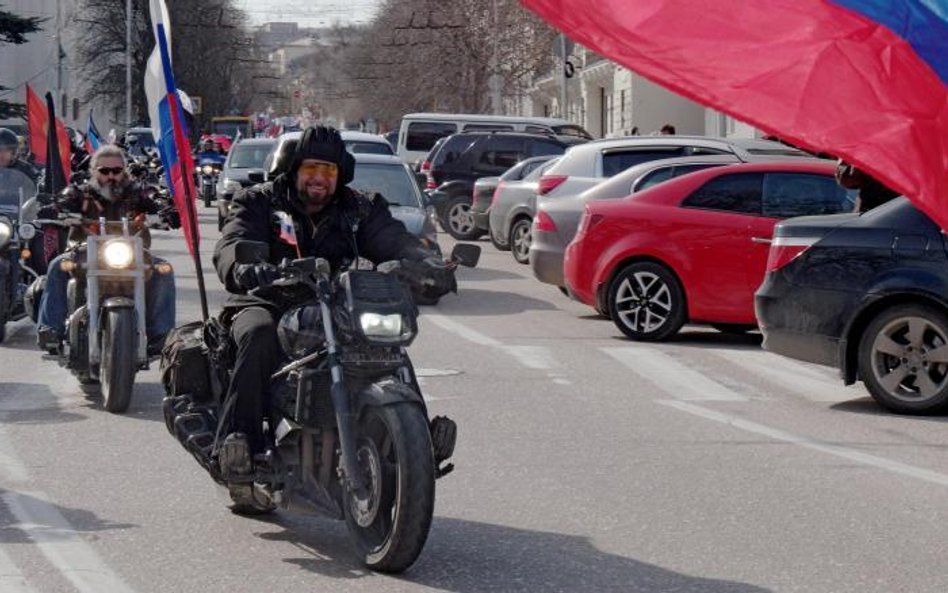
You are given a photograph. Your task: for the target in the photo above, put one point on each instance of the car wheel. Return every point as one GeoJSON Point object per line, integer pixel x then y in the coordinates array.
{"type": "Point", "coordinates": [497, 245]}
{"type": "Point", "coordinates": [520, 237]}
{"type": "Point", "coordinates": [646, 302]}
{"type": "Point", "coordinates": [903, 359]}
{"type": "Point", "coordinates": [460, 219]}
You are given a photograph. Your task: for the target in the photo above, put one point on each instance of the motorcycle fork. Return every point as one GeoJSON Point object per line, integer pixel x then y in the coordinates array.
{"type": "Point", "coordinates": [345, 419]}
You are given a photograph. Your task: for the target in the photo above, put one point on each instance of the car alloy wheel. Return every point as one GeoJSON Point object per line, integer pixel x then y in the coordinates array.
{"type": "Point", "coordinates": [903, 359]}
{"type": "Point", "coordinates": [460, 219]}
{"type": "Point", "coordinates": [646, 302]}
{"type": "Point", "coordinates": [520, 238]}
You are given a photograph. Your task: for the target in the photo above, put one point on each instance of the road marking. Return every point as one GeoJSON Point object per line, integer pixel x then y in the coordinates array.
{"type": "Point", "coordinates": [823, 447]}
{"type": "Point", "coordinates": [61, 545]}
{"type": "Point", "coordinates": [533, 357]}
{"type": "Point", "coordinates": [791, 375]}
{"type": "Point", "coordinates": [11, 579]}
{"type": "Point", "coordinates": [462, 330]}
{"type": "Point", "coordinates": [421, 372]}
{"type": "Point", "coordinates": [671, 376]}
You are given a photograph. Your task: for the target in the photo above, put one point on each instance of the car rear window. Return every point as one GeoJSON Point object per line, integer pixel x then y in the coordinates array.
{"type": "Point", "coordinates": [804, 194]}
{"type": "Point", "coordinates": [249, 156]}
{"type": "Point", "coordinates": [452, 149]}
{"type": "Point", "coordinates": [357, 147]}
{"type": "Point", "coordinates": [616, 161]}
{"type": "Point", "coordinates": [422, 135]}
{"type": "Point", "coordinates": [393, 182]}
{"type": "Point", "coordinates": [736, 192]}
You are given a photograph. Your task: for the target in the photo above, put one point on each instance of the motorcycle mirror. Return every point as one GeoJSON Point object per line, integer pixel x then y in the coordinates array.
{"type": "Point", "coordinates": [466, 254]}
{"type": "Point", "coordinates": [256, 177]}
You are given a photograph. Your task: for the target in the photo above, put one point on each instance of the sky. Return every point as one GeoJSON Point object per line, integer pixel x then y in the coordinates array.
{"type": "Point", "coordinates": [309, 13]}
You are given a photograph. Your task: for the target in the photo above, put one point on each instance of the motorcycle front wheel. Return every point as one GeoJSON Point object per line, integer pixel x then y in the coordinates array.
{"type": "Point", "coordinates": [117, 370]}
{"type": "Point", "coordinates": [389, 523]}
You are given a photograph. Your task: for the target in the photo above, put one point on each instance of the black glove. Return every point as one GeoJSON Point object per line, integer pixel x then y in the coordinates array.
{"type": "Point", "coordinates": [441, 278]}
{"type": "Point", "coordinates": [250, 276]}
{"type": "Point", "coordinates": [171, 217]}
{"type": "Point", "coordinates": [47, 212]}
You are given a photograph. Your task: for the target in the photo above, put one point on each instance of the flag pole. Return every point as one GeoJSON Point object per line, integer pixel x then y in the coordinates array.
{"type": "Point", "coordinates": [198, 266]}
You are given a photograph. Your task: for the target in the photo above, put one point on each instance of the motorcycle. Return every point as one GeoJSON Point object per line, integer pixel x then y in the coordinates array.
{"type": "Point", "coordinates": [348, 434]}
{"type": "Point", "coordinates": [15, 272]}
{"type": "Point", "coordinates": [105, 338]}
{"type": "Point", "coordinates": [208, 172]}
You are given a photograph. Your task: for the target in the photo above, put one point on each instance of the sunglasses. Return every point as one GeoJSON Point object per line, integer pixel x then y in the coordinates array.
{"type": "Point", "coordinates": [322, 169]}
{"type": "Point", "coordinates": [110, 170]}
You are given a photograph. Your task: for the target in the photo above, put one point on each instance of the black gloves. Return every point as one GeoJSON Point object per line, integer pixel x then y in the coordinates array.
{"type": "Point", "coordinates": [250, 276]}
{"type": "Point", "coordinates": [440, 277]}
{"type": "Point", "coordinates": [171, 217]}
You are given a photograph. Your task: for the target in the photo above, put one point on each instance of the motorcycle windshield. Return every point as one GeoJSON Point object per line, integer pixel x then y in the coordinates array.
{"type": "Point", "coordinates": [15, 189]}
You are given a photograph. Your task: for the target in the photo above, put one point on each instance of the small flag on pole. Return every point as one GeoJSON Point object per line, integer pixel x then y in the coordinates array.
{"type": "Point", "coordinates": [93, 137]}
{"type": "Point", "coordinates": [288, 230]}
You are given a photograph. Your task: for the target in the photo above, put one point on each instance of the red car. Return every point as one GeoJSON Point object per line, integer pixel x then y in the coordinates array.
{"type": "Point", "coordinates": [693, 249]}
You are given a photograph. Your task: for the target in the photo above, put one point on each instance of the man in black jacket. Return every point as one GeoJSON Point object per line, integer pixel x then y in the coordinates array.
{"type": "Point", "coordinates": [8, 157]}
{"type": "Point", "coordinates": [329, 220]}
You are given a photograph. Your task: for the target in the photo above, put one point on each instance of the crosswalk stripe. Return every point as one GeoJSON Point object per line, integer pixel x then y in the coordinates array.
{"type": "Point", "coordinates": [671, 376]}
{"type": "Point", "coordinates": [793, 376]}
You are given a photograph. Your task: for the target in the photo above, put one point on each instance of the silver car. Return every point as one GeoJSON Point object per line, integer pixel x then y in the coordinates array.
{"type": "Point", "coordinates": [512, 209]}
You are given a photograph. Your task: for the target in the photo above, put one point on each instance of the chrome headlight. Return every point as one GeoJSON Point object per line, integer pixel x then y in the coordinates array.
{"type": "Point", "coordinates": [207, 169]}
{"type": "Point", "coordinates": [383, 327]}
{"type": "Point", "coordinates": [6, 231]}
{"type": "Point", "coordinates": [26, 231]}
{"type": "Point", "coordinates": [118, 254]}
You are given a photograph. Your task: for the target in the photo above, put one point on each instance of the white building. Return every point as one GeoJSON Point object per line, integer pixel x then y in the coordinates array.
{"type": "Point", "coordinates": [609, 100]}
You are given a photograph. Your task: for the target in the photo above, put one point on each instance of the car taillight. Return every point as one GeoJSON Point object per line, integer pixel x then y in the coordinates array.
{"type": "Point", "coordinates": [543, 222]}
{"type": "Point", "coordinates": [549, 182]}
{"type": "Point", "coordinates": [588, 221]}
{"type": "Point", "coordinates": [431, 183]}
{"type": "Point", "coordinates": [784, 250]}
{"type": "Point", "coordinates": [493, 198]}
{"type": "Point", "coordinates": [425, 166]}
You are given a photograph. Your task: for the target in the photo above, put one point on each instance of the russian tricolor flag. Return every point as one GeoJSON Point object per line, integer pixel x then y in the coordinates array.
{"type": "Point", "coordinates": [866, 80]}
{"type": "Point", "coordinates": [93, 137]}
{"type": "Point", "coordinates": [167, 123]}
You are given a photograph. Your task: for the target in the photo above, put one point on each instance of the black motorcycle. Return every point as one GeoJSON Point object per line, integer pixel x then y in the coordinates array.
{"type": "Point", "coordinates": [208, 171]}
{"type": "Point", "coordinates": [15, 272]}
{"type": "Point", "coordinates": [348, 432]}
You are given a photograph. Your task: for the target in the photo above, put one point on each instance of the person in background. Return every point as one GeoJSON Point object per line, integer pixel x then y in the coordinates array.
{"type": "Point", "coordinates": [872, 192]}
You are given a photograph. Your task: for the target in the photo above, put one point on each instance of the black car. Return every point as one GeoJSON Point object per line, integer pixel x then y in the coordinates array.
{"type": "Point", "coordinates": [465, 157]}
{"type": "Point", "coordinates": [867, 294]}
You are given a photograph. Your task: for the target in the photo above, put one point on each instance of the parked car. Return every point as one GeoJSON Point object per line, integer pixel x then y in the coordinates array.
{"type": "Point", "coordinates": [356, 142]}
{"type": "Point", "coordinates": [586, 166]}
{"type": "Point", "coordinates": [463, 158]}
{"type": "Point", "coordinates": [693, 248]}
{"type": "Point", "coordinates": [868, 295]}
{"type": "Point", "coordinates": [561, 215]}
{"type": "Point", "coordinates": [245, 158]}
{"type": "Point", "coordinates": [419, 131]}
{"type": "Point", "coordinates": [486, 187]}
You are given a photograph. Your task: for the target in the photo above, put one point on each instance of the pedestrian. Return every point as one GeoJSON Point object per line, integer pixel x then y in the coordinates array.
{"type": "Point", "coordinates": [872, 192]}
{"type": "Point", "coordinates": [667, 130]}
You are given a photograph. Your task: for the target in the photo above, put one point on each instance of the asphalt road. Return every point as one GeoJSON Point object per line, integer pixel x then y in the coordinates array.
{"type": "Point", "coordinates": [585, 462]}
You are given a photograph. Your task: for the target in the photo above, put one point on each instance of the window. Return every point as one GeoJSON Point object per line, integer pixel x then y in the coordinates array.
{"type": "Point", "coordinates": [803, 194]}
{"type": "Point", "coordinates": [452, 149]}
{"type": "Point", "coordinates": [538, 130]}
{"type": "Point", "coordinates": [543, 148]}
{"type": "Point", "coordinates": [739, 192]}
{"type": "Point", "coordinates": [356, 147]}
{"type": "Point", "coordinates": [706, 150]}
{"type": "Point", "coordinates": [249, 156]}
{"type": "Point", "coordinates": [617, 161]}
{"type": "Point", "coordinates": [393, 182]}
{"type": "Point", "coordinates": [423, 135]}
{"type": "Point", "coordinates": [501, 152]}
{"type": "Point", "coordinates": [487, 128]}
{"type": "Point", "coordinates": [652, 178]}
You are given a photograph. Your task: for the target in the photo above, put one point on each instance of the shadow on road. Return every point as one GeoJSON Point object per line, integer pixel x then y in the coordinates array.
{"type": "Point", "coordinates": [472, 557]}
{"type": "Point", "coordinates": [33, 403]}
{"type": "Point", "coordinates": [80, 521]}
{"type": "Point", "coordinates": [473, 301]}
{"type": "Point", "coordinates": [484, 274]}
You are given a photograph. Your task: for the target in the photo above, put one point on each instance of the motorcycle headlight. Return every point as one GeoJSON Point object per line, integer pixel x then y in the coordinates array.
{"type": "Point", "coordinates": [207, 169]}
{"type": "Point", "coordinates": [118, 254]}
{"type": "Point", "coordinates": [382, 327]}
{"type": "Point", "coordinates": [6, 231]}
{"type": "Point", "coordinates": [27, 231]}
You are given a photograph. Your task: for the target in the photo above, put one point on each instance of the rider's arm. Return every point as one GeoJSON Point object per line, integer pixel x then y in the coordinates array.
{"type": "Point", "coordinates": [249, 220]}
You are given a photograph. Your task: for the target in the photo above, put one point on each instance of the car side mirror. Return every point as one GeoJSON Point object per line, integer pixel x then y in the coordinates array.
{"type": "Point", "coordinates": [256, 176]}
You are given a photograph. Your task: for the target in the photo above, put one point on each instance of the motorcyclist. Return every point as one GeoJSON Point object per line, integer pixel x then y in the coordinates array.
{"type": "Point", "coordinates": [108, 194]}
{"type": "Point", "coordinates": [9, 145]}
{"type": "Point", "coordinates": [331, 221]}
{"type": "Point", "coordinates": [210, 152]}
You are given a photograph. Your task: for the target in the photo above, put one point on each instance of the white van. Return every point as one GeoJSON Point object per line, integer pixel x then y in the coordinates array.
{"type": "Point", "coordinates": [420, 131]}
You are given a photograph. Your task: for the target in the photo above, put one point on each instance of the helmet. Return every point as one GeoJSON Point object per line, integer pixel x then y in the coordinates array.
{"type": "Point", "coordinates": [324, 143]}
{"type": "Point", "coordinates": [8, 139]}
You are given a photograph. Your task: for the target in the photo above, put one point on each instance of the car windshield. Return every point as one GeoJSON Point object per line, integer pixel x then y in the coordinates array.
{"type": "Point", "coordinates": [393, 181]}
{"type": "Point", "coordinates": [249, 156]}
{"type": "Point", "coordinates": [360, 147]}
{"type": "Point", "coordinates": [572, 130]}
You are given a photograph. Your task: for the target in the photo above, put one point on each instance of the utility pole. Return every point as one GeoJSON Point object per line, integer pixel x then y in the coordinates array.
{"type": "Point", "coordinates": [495, 98]}
{"type": "Point", "coordinates": [128, 63]}
{"type": "Point", "coordinates": [564, 112]}
{"type": "Point", "coordinates": [59, 58]}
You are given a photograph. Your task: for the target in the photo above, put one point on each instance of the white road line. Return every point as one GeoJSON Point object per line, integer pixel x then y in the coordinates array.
{"type": "Point", "coordinates": [791, 375]}
{"type": "Point", "coordinates": [823, 447]}
{"type": "Point", "coordinates": [462, 330]}
{"type": "Point", "coordinates": [61, 545]}
{"type": "Point", "coordinates": [671, 376]}
{"type": "Point", "coordinates": [532, 357]}
{"type": "Point", "coordinates": [11, 579]}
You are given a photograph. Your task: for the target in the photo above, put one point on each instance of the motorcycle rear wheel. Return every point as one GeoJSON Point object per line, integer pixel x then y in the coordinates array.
{"type": "Point", "coordinates": [117, 371]}
{"type": "Point", "coordinates": [390, 525]}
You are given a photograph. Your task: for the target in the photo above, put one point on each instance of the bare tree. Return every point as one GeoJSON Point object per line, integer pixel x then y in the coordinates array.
{"type": "Point", "coordinates": [14, 29]}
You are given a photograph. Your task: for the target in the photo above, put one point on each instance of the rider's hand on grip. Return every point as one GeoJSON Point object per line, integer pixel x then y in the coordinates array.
{"type": "Point", "coordinates": [171, 217]}
{"type": "Point", "coordinates": [440, 280]}
{"type": "Point", "coordinates": [251, 276]}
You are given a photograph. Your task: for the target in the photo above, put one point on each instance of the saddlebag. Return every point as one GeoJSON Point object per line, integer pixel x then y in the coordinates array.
{"type": "Point", "coordinates": [185, 365]}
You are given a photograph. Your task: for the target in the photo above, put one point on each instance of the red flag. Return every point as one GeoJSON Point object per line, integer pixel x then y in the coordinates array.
{"type": "Point", "coordinates": [848, 77]}
{"type": "Point", "coordinates": [37, 122]}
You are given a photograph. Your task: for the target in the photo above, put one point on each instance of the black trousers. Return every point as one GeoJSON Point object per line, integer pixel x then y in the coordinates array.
{"type": "Point", "coordinates": [258, 356]}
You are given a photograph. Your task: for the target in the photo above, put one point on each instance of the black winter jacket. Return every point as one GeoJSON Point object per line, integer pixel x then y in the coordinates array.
{"type": "Point", "coordinates": [351, 221]}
